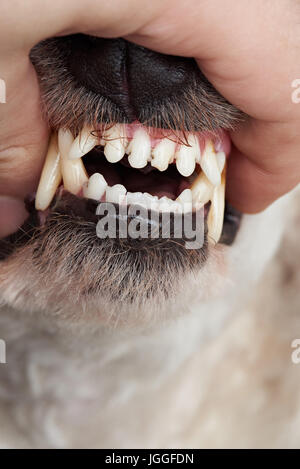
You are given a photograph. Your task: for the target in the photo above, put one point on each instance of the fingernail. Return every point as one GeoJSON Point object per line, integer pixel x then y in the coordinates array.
{"type": "Point", "coordinates": [12, 215]}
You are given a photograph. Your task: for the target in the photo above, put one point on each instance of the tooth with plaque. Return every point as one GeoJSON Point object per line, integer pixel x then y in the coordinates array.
{"type": "Point", "coordinates": [83, 143]}
{"type": "Point", "coordinates": [51, 176]}
{"type": "Point", "coordinates": [186, 156]}
{"type": "Point", "coordinates": [95, 187]}
{"type": "Point", "coordinates": [115, 142]}
{"type": "Point", "coordinates": [139, 149]}
{"type": "Point", "coordinates": [163, 154]}
{"type": "Point", "coordinates": [73, 171]}
{"type": "Point", "coordinates": [215, 218]}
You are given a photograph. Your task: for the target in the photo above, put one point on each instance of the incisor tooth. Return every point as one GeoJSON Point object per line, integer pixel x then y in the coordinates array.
{"type": "Point", "coordinates": [209, 164]}
{"type": "Point", "coordinates": [139, 149]}
{"type": "Point", "coordinates": [51, 176]}
{"type": "Point", "coordinates": [115, 143]}
{"type": "Point", "coordinates": [116, 194]}
{"type": "Point", "coordinates": [215, 218]}
{"type": "Point", "coordinates": [95, 188]}
{"type": "Point", "coordinates": [202, 190]}
{"type": "Point", "coordinates": [73, 171]}
{"type": "Point", "coordinates": [186, 156]}
{"type": "Point", "coordinates": [163, 154]}
{"type": "Point", "coordinates": [82, 144]}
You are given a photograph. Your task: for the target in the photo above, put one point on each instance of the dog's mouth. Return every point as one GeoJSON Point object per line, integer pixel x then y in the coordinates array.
{"type": "Point", "coordinates": [130, 127]}
{"type": "Point", "coordinates": [126, 164]}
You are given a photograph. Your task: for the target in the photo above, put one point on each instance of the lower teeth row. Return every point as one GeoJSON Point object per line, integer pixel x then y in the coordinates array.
{"type": "Point", "coordinates": [59, 167]}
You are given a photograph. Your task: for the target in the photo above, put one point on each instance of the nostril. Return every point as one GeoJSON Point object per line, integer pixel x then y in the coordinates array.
{"type": "Point", "coordinates": [131, 76]}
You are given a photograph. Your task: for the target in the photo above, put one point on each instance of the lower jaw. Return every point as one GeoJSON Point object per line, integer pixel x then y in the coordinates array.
{"type": "Point", "coordinates": [68, 208]}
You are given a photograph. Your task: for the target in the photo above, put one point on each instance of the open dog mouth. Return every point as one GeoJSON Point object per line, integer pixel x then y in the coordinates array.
{"type": "Point", "coordinates": [129, 127]}
{"type": "Point", "coordinates": [130, 164]}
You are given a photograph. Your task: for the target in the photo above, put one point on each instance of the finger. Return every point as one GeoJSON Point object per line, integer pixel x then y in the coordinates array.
{"type": "Point", "coordinates": [264, 164]}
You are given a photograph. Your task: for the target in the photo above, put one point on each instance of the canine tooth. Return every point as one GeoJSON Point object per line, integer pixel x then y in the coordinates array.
{"type": "Point", "coordinates": [83, 143]}
{"type": "Point", "coordinates": [96, 187]}
{"type": "Point", "coordinates": [221, 159]}
{"type": "Point", "coordinates": [202, 190]}
{"type": "Point", "coordinates": [73, 171]}
{"type": "Point", "coordinates": [116, 194]}
{"type": "Point", "coordinates": [209, 164]}
{"type": "Point", "coordinates": [216, 213]}
{"type": "Point", "coordinates": [50, 178]}
{"type": "Point", "coordinates": [163, 154]}
{"type": "Point", "coordinates": [139, 149]}
{"type": "Point", "coordinates": [186, 156]}
{"type": "Point", "coordinates": [116, 143]}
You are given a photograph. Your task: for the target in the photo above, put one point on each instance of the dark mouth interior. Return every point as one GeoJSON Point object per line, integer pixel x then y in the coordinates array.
{"type": "Point", "coordinates": [169, 183]}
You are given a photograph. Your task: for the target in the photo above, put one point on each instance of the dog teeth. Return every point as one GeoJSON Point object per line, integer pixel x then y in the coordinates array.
{"type": "Point", "coordinates": [115, 143]}
{"type": "Point", "coordinates": [202, 190]}
{"type": "Point", "coordinates": [139, 149]}
{"type": "Point", "coordinates": [73, 171]}
{"type": "Point", "coordinates": [116, 194]}
{"type": "Point", "coordinates": [186, 200]}
{"type": "Point", "coordinates": [215, 218]}
{"type": "Point", "coordinates": [95, 188]}
{"type": "Point", "coordinates": [83, 144]}
{"type": "Point", "coordinates": [221, 160]}
{"type": "Point", "coordinates": [186, 156]}
{"type": "Point", "coordinates": [51, 176]}
{"type": "Point", "coordinates": [163, 154]}
{"type": "Point", "coordinates": [209, 164]}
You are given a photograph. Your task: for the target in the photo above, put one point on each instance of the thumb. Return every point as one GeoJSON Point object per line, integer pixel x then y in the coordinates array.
{"type": "Point", "coordinates": [23, 139]}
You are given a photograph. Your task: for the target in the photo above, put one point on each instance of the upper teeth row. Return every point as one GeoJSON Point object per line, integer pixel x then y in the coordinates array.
{"type": "Point", "coordinates": [140, 152]}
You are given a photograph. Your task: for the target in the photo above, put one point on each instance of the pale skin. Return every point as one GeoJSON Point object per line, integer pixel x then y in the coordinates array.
{"type": "Point", "coordinates": [250, 51]}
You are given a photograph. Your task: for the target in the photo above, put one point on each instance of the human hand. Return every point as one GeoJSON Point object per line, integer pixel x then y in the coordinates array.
{"type": "Point", "coordinates": [248, 51]}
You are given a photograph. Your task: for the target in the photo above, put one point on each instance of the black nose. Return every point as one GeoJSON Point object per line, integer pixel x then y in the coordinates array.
{"type": "Point", "coordinates": [89, 81]}
{"type": "Point", "coordinates": [131, 76]}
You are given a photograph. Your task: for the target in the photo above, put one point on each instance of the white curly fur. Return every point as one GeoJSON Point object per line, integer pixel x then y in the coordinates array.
{"type": "Point", "coordinates": [211, 369]}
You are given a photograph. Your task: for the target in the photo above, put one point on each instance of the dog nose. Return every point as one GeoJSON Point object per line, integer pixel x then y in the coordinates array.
{"type": "Point", "coordinates": [132, 77]}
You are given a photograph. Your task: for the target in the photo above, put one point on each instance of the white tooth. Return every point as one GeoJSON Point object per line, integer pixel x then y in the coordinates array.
{"type": "Point", "coordinates": [209, 164]}
{"type": "Point", "coordinates": [221, 159]}
{"type": "Point", "coordinates": [51, 176]}
{"type": "Point", "coordinates": [116, 194]}
{"type": "Point", "coordinates": [83, 143]}
{"type": "Point", "coordinates": [137, 198]}
{"type": "Point", "coordinates": [73, 171]}
{"type": "Point", "coordinates": [167, 205]}
{"type": "Point", "coordinates": [202, 190]}
{"type": "Point", "coordinates": [115, 143]}
{"type": "Point", "coordinates": [95, 188]}
{"type": "Point", "coordinates": [216, 212]}
{"type": "Point", "coordinates": [186, 200]}
{"type": "Point", "coordinates": [186, 156]}
{"type": "Point", "coordinates": [139, 149]}
{"type": "Point", "coordinates": [163, 154]}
